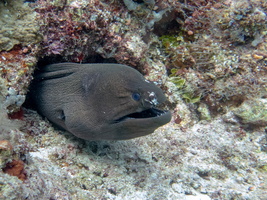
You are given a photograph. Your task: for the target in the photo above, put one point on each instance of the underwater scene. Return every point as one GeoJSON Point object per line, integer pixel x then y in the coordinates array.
{"type": "Point", "coordinates": [133, 99]}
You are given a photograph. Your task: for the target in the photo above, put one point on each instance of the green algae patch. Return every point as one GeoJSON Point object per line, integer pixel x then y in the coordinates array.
{"type": "Point", "coordinates": [263, 168]}
{"type": "Point", "coordinates": [170, 41]}
{"type": "Point", "coordinates": [187, 94]}
{"type": "Point", "coordinates": [253, 112]}
{"type": "Point", "coordinates": [204, 112]}
{"type": "Point", "coordinates": [186, 91]}
{"type": "Point", "coordinates": [179, 82]}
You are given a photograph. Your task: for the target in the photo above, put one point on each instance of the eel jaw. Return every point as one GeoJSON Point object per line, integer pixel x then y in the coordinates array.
{"type": "Point", "coordinates": [139, 124]}
{"type": "Point", "coordinates": [145, 114]}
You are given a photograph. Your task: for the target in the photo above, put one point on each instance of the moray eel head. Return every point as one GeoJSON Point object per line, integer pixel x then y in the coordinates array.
{"type": "Point", "coordinates": [99, 101]}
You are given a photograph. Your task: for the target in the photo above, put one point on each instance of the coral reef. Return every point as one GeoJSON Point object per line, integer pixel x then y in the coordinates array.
{"type": "Point", "coordinates": [16, 73]}
{"type": "Point", "coordinates": [169, 164]}
{"type": "Point", "coordinates": [91, 29]}
{"type": "Point", "coordinates": [17, 25]}
{"type": "Point", "coordinates": [19, 39]}
{"type": "Point", "coordinates": [208, 56]}
{"type": "Point", "coordinates": [220, 52]}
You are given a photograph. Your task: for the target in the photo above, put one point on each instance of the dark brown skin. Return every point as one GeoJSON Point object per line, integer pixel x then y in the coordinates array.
{"type": "Point", "coordinates": [94, 101]}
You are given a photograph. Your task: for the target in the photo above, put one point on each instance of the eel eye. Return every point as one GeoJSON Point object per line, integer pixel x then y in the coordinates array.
{"type": "Point", "coordinates": [136, 96]}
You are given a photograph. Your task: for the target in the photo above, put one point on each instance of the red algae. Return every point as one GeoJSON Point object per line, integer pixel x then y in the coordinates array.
{"type": "Point", "coordinates": [16, 168]}
{"type": "Point", "coordinates": [16, 115]}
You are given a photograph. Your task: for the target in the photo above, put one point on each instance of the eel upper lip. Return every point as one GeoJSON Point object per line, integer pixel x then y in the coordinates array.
{"type": "Point", "coordinates": [148, 113]}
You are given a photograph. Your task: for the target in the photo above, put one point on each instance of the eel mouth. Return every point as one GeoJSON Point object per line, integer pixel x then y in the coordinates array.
{"type": "Point", "coordinates": [149, 113]}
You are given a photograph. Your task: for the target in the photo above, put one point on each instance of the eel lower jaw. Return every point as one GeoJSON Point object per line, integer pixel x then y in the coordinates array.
{"type": "Point", "coordinates": [145, 114]}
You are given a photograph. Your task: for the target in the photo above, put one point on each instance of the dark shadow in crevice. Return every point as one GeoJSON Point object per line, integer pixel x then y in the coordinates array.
{"type": "Point", "coordinates": [47, 60]}
{"type": "Point", "coordinates": [170, 24]}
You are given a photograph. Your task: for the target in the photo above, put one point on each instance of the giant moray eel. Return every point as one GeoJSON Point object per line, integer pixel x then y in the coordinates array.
{"type": "Point", "coordinates": [99, 101]}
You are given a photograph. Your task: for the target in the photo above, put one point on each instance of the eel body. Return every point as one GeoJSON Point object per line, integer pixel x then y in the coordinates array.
{"type": "Point", "coordinates": [99, 101]}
